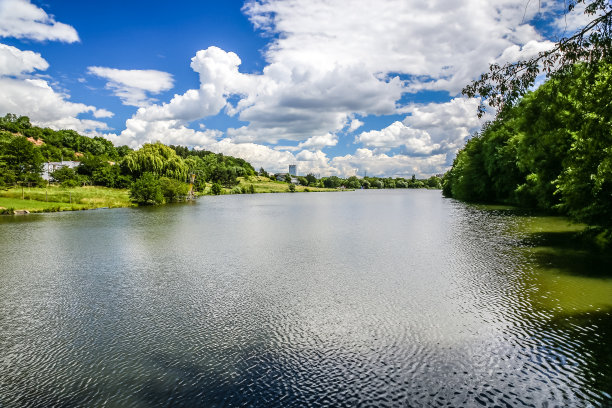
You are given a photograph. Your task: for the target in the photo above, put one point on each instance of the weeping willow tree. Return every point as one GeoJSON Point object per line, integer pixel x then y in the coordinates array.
{"type": "Point", "coordinates": [157, 159]}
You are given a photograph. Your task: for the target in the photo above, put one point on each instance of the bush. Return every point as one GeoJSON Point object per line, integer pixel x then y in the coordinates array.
{"type": "Point", "coordinates": [216, 189]}
{"type": "Point", "coordinates": [63, 174]}
{"type": "Point", "coordinates": [173, 190]}
{"type": "Point", "coordinates": [147, 190]}
{"type": "Point", "coordinates": [70, 183]}
{"type": "Point", "coordinates": [292, 188]}
{"type": "Point", "coordinates": [236, 190]}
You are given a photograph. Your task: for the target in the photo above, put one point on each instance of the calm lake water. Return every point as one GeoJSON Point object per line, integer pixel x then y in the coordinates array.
{"type": "Point", "coordinates": [366, 298]}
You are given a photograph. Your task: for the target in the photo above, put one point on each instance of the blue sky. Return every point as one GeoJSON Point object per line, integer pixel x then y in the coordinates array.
{"type": "Point", "coordinates": [337, 87]}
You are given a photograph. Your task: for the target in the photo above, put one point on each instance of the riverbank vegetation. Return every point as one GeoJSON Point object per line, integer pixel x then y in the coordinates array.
{"type": "Point", "coordinates": [551, 151]}
{"type": "Point", "coordinates": [57, 198]}
{"type": "Point", "coordinates": [88, 168]}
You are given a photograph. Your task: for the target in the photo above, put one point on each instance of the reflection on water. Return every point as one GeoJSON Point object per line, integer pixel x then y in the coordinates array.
{"type": "Point", "coordinates": [372, 298]}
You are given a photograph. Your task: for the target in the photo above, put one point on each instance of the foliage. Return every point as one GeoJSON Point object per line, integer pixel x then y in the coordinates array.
{"type": "Point", "coordinates": [147, 190]}
{"type": "Point", "coordinates": [216, 189]}
{"type": "Point", "coordinates": [52, 197]}
{"type": "Point", "coordinates": [291, 188]}
{"type": "Point", "coordinates": [21, 158]}
{"type": "Point", "coordinates": [158, 159]}
{"type": "Point", "coordinates": [70, 183]}
{"type": "Point", "coordinates": [264, 173]}
{"type": "Point", "coordinates": [173, 190]}
{"type": "Point", "coordinates": [312, 180]}
{"type": "Point", "coordinates": [552, 150]}
{"type": "Point", "coordinates": [63, 174]}
{"type": "Point", "coordinates": [247, 189]}
{"type": "Point", "coordinates": [504, 84]}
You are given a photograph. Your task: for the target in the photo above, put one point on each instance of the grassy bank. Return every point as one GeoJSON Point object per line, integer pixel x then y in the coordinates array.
{"type": "Point", "coordinates": [265, 185]}
{"type": "Point", "coordinates": [54, 198]}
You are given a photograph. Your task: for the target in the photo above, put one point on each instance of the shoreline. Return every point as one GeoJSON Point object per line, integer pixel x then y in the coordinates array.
{"type": "Point", "coordinates": [46, 199]}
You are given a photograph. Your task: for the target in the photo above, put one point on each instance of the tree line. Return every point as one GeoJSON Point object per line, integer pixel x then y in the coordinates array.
{"type": "Point", "coordinates": [552, 150]}
{"type": "Point", "coordinates": [354, 182]}
{"type": "Point", "coordinates": [25, 148]}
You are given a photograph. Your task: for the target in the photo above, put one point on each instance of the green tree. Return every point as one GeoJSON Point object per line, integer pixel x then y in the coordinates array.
{"type": "Point", "coordinates": [64, 174]}
{"type": "Point", "coordinates": [216, 189]}
{"type": "Point", "coordinates": [263, 173]}
{"type": "Point", "coordinates": [592, 43]}
{"type": "Point", "coordinates": [147, 190]}
{"type": "Point", "coordinates": [173, 190]}
{"type": "Point", "coordinates": [434, 182]}
{"type": "Point", "coordinates": [312, 180]}
{"type": "Point", "coordinates": [157, 159]}
{"type": "Point", "coordinates": [22, 159]}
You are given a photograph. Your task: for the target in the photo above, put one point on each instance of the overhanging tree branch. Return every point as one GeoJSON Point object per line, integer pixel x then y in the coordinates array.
{"type": "Point", "coordinates": [504, 84]}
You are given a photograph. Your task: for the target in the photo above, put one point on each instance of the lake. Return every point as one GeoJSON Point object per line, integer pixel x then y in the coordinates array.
{"type": "Point", "coordinates": [365, 298]}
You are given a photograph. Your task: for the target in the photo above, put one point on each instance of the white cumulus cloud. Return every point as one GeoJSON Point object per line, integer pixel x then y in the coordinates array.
{"type": "Point", "coordinates": [329, 62]}
{"type": "Point", "coordinates": [132, 86]}
{"type": "Point", "coordinates": [14, 62]}
{"type": "Point", "coordinates": [23, 93]}
{"type": "Point", "coordinates": [22, 19]}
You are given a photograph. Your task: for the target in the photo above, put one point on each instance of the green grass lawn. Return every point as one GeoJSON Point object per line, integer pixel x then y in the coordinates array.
{"type": "Point", "coordinates": [56, 198]}
{"type": "Point", "coordinates": [265, 185]}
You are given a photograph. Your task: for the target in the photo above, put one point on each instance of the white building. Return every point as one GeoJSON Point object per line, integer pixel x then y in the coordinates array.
{"type": "Point", "coordinates": [50, 167]}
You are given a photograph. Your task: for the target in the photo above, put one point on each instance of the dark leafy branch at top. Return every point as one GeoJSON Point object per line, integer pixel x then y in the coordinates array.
{"type": "Point", "coordinates": [504, 84]}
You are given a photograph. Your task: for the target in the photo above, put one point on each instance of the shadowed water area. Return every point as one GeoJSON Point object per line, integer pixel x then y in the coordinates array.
{"type": "Point", "coordinates": [366, 298]}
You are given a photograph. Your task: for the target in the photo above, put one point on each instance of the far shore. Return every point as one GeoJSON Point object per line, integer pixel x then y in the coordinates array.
{"type": "Point", "coordinates": [55, 198]}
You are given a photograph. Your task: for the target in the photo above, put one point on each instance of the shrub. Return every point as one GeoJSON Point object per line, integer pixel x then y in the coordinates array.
{"type": "Point", "coordinates": [216, 189]}
{"type": "Point", "coordinates": [64, 174]}
{"type": "Point", "coordinates": [173, 190]}
{"type": "Point", "coordinates": [147, 190]}
{"type": "Point", "coordinates": [70, 183]}
{"type": "Point", "coordinates": [292, 188]}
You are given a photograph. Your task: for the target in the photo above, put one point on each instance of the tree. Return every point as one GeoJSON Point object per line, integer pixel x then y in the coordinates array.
{"type": "Point", "coordinates": [292, 188]}
{"type": "Point", "coordinates": [263, 173]}
{"type": "Point", "coordinates": [147, 190]}
{"type": "Point", "coordinates": [23, 159]}
{"type": "Point", "coordinates": [434, 182]}
{"type": "Point", "coordinates": [216, 189]}
{"type": "Point", "coordinates": [504, 84]}
{"type": "Point", "coordinates": [173, 190]}
{"type": "Point", "coordinates": [157, 159]}
{"type": "Point", "coordinates": [353, 182]}
{"type": "Point", "coordinates": [332, 182]}
{"type": "Point", "coordinates": [311, 179]}
{"type": "Point", "coordinates": [64, 174]}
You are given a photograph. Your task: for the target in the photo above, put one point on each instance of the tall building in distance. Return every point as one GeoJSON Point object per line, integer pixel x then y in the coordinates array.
{"type": "Point", "coordinates": [293, 170]}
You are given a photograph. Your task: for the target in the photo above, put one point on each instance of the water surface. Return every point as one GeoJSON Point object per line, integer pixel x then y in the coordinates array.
{"type": "Point", "coordinates": [366, 298]}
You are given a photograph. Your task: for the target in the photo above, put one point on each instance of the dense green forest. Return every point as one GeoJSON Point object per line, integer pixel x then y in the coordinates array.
{"type": "Point", "coordinates": [552, 150]}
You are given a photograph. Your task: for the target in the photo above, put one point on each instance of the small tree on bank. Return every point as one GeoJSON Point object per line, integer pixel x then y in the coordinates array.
{"type": "Point", "coordinates": [216, 189]}
{"type": "Point", "coordinates": [147, 190]}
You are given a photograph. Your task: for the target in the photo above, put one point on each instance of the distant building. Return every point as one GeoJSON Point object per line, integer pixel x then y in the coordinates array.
{"type": "Point", "coordinates": [293, 170]}
{"type": "Point", "coordinates": [50, 167]}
